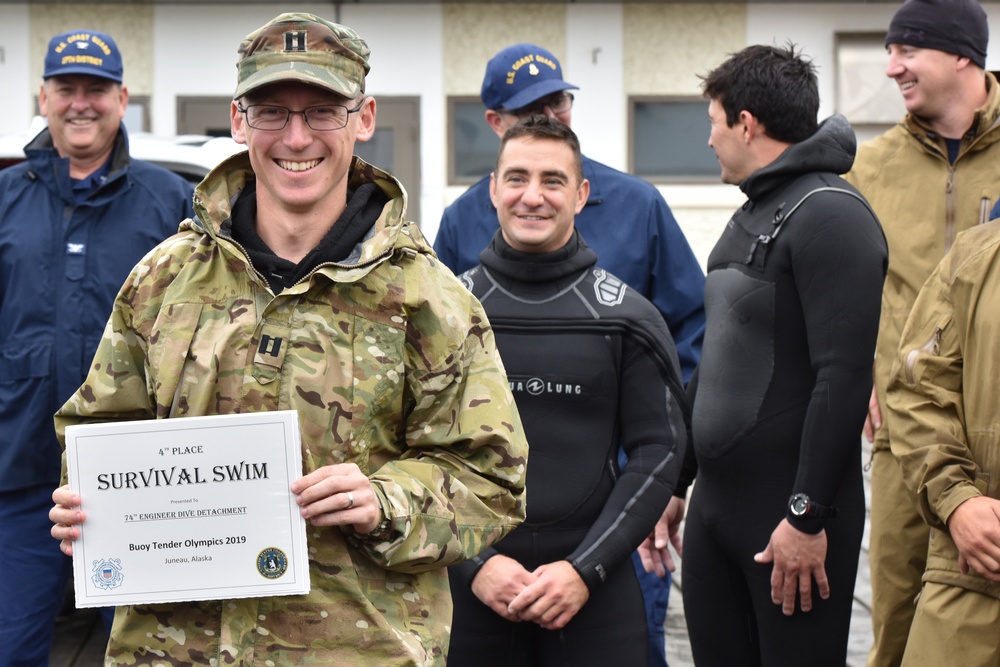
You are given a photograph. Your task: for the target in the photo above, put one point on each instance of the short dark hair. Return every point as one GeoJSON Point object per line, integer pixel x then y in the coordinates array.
{"type": "Point", "coordinates": [539, 126]}
{"type": "Point", "coordinates": [776, 85]}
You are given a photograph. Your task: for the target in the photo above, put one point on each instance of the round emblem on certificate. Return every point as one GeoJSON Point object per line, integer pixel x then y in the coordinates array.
{"type": "Point", "coordinates": [108, 573]}
{"type": "Point", "coordinates": [272, 563]}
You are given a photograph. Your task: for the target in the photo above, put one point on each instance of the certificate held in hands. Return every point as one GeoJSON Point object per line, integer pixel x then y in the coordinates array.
{"type": "Point", "coordinates": [188, 509]}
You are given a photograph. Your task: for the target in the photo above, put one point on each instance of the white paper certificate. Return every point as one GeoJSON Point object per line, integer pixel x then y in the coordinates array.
{"type": "Point", "coordinates": [197, 508]}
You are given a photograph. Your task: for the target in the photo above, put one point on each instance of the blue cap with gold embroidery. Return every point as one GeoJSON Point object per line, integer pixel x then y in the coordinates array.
{"type": "Point", "coordinates": [520, 75]}
{"type": "Point", "coordinates": [83, 52]}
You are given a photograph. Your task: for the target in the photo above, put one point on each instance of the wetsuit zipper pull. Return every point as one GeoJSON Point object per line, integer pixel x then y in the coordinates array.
{"type": "Point", "coordinates": [763, 240]}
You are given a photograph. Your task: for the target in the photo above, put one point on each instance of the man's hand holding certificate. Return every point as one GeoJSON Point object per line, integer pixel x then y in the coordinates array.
{"type": "Point", "coordinates": [188, 509]}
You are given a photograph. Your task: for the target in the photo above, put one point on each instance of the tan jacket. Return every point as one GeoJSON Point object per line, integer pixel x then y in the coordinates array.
{"type": "Point", "coordinates": [922, 202]}
{"type": "Point", "coordinates": [942, 399]}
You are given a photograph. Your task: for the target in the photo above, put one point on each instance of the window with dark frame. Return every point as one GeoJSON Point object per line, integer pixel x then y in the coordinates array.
{"type": "Point", "coordinates": [137, 114]}
{"type": "Point", "coordinates": [472, 144]}
{"type": "Point", "coordinates": [864, 94]}
{"type": "Point", "coordinates": [668, 140]}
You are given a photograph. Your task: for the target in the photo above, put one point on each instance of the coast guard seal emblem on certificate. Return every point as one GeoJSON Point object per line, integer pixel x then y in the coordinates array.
{"type": "Point", "coordinates": [107, 573]}
{"type": "Point", "coordinates": [272, 562]}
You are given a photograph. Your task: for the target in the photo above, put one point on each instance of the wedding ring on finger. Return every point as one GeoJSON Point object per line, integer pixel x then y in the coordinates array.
{"type": "Point", "coordinates": [350, 500]}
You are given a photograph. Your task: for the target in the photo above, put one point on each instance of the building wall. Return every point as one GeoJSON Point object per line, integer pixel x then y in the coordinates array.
{"type": "Point", "coordinates": [611, 51]}
{"type": "Point", "coordinates": [472, 33]}
{"type": "Point", "coordinates": [130, 30]}
{"type": "Point", "coordinates": [199, 57]}
{"type": "Point", "coordinates": [15, 72]}
{"type": "Point", "coordinates": [668, 47]}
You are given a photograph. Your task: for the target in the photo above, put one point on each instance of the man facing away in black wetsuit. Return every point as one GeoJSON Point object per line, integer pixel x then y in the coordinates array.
{"type": "Point", "coordinates": [793, 292]}
{"type": "Point", "coordinates": [592, 367]}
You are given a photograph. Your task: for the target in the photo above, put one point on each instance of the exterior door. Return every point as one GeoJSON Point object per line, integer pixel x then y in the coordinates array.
{"type": "Point", "coordinates": [395, 146]}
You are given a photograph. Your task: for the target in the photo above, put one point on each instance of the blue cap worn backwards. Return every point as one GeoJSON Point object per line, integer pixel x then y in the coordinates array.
{"type": "Point", "coordinates": [83, 52]}
{"type": "Point", "coordinates": [520, 75]}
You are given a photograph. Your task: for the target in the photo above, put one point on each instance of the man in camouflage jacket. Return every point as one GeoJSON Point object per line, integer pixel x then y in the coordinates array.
{"type": "Point", "coordinates": [300, 286]}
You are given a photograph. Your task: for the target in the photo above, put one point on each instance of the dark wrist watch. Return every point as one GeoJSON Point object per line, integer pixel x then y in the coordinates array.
{"type": "Point", "coordinates": [383, 531]}
{"type": "Point", "coordinates": [799, 505]}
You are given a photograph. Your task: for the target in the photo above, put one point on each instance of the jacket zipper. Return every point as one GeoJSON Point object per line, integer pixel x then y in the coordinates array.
{"type": "Point", "coordinates": [933, 346]}
{"type": "Point", "coordinates": [949, 216]}
{"type": "Point", "coordinates": [246, 256]}
{"type": "Point", "coordinates": [373, 260]}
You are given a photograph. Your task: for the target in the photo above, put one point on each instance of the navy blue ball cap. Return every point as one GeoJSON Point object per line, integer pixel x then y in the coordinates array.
{"type": "Point", "coordinates": [83, 52]}
{"type": "Point", "coordinates": [520, 75]}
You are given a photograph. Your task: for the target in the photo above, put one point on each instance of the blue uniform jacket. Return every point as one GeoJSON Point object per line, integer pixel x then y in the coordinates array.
{"type": "Point", "coordinates": [630, 227]}
{"type": "Point", "coordinates": [60, 268]}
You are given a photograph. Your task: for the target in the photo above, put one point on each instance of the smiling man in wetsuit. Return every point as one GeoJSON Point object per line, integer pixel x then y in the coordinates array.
{"type": "Point", "coordinates": [593, 368]}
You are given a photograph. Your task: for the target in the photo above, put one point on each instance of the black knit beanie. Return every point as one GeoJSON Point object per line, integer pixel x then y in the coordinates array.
{"type": "Point", "coordinates": [953, 26]}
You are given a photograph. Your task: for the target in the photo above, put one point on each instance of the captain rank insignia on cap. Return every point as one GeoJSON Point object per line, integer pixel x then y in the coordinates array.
{"type": "Point", "coordinates": [295, 40]}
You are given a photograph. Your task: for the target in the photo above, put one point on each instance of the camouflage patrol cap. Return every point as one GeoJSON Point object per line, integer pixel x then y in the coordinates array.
{"type": "Point", "coordinates": [305, 48]}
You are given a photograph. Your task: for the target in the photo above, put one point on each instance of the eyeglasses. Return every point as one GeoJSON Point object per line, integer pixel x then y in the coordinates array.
{"type": "Point", "coordinates": [320, 118]}
{"type": "Point", "coordinates": [558, 104]}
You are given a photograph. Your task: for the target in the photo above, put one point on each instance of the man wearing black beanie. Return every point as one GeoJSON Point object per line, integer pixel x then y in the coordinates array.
{"type": "Point", "coordinates": [953, 26]}
{"type": "Point", "coordinates": [934, 174]}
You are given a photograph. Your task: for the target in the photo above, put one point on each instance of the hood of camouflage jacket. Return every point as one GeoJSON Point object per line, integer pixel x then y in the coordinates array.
{"type": "Point", "coordinates": [215, 195]}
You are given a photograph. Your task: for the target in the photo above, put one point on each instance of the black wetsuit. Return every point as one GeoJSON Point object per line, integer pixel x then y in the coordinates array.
{"type": "Point", "coordinates": [793, 296]}
{"type": "Point", "coordinates": [592, 367]}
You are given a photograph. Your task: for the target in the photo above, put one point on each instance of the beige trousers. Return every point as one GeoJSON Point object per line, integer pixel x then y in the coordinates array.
{"type": "Point", "coordinates": [897, 556]}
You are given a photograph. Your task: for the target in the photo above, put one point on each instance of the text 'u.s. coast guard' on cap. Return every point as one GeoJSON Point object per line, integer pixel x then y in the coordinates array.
{"type": "Point", "coordinates": [83, 52]}
{"type": "Point", "coordinates": [520, 75]}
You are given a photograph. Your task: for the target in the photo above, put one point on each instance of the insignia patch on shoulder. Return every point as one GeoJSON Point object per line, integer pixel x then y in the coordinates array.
{"type": "Point", "coordinates": [609, 290]}
{"type": "Point", "coordinates": [466, 277]}
{"type": "Point", "coordinates": [272, 563]}
{"type": "Point", "coordinates": [107, 573]}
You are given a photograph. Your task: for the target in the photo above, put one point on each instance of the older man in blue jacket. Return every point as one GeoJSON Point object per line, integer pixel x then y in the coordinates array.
{"type": "Point", "coordinates": [68, 239]}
